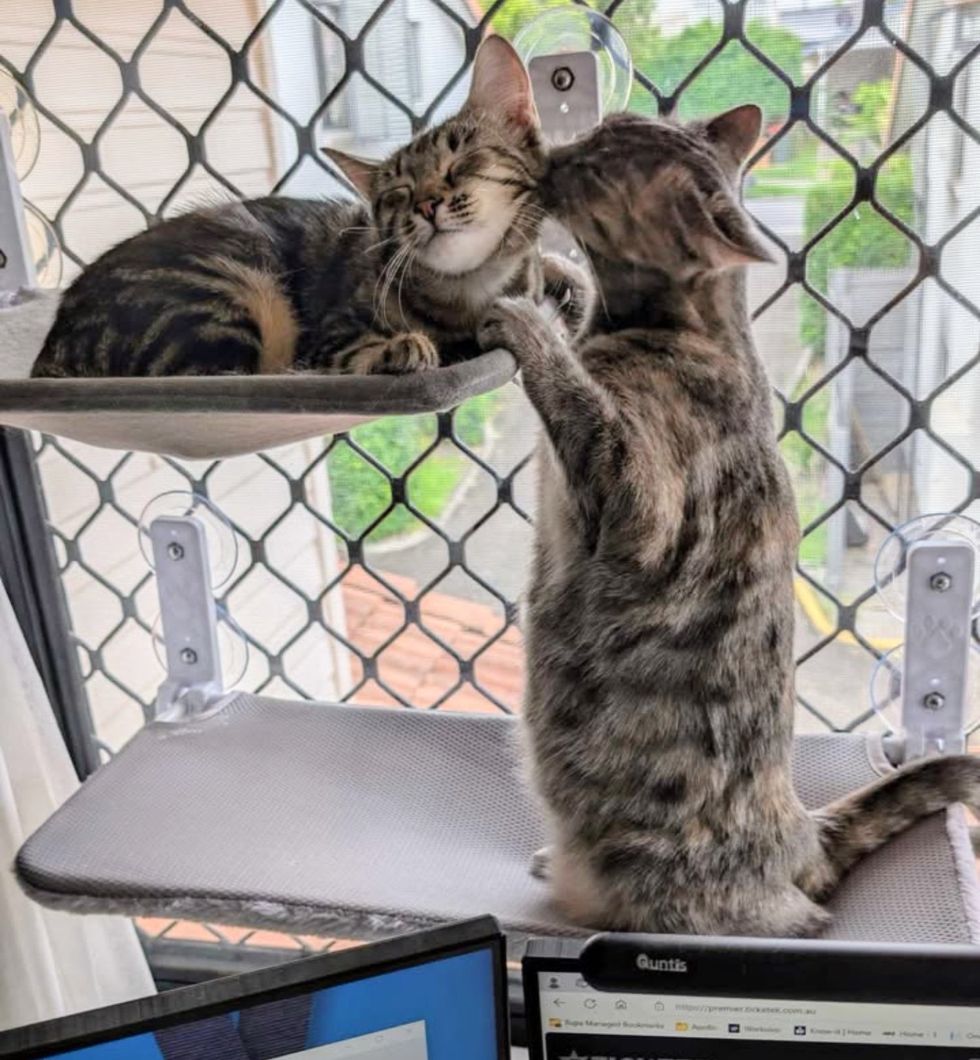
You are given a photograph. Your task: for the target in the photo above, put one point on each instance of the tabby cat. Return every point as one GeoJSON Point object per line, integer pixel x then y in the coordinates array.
{"type": "Point", "coordinates": [659, 625]}
{"type": "Point", "coordinates": [273, 284]}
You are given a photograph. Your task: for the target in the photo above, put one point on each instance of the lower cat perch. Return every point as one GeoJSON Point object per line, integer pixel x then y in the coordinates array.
{"type": "Point", "coordinates": [354, 820]}
{"type": "Point", "coordinates": [206, 417]}
{"type": "Point", "coordinates": [336, 819]}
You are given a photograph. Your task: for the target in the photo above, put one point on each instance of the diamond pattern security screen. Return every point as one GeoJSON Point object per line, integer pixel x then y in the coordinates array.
{"type": "Point", "coordinates": [384, 566]}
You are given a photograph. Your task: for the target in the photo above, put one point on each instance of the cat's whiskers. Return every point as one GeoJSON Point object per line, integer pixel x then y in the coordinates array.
{"type": "Point", "coordinates": [409, 262]}
{"type": "Point", "coordinates": [388, 275]}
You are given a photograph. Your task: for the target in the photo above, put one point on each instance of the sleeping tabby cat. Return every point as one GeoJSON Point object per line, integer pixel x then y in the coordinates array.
{"type": "Point", "coordinates": [659, 626]}
{"type": "Point", "coordinates": [272, 285]}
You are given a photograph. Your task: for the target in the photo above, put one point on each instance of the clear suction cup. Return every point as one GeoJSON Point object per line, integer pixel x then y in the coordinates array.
{"type": "Point", "coordinates": [49, 262]}
{"type": "Point", "coordinates": [571, 28]}
{"type": "Point", "coordinates": [232, 646]}
{"type": "Point", "coordinates": [25, 134]}
{"type": "Point", "coordinates": [892, 559]}
{"type": "Point", "coordinates": [886, 689]}
{"type": "Point", "coordinates": [221, 538]}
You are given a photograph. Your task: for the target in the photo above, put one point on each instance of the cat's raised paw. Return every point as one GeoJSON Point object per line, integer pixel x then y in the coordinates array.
{"type": "Point", "coordinates": [514, 324]}
{"type": "Point", "coordinates": [571, 288]}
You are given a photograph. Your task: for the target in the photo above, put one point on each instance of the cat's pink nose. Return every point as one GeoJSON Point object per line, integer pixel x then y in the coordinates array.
{"type": "Point", "coordinates": [427, 208]}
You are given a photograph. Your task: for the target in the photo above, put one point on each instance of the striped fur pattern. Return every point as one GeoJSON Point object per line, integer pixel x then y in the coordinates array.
{"type": "Point", "coordinates": [273, 285]}
{"type": "Point", "coordinates": [659, 620]}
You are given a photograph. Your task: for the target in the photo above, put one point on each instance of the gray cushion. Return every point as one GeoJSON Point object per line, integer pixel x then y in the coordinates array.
{"type": "Point", "coordinates": [350, 819]}
{"type": "Point", "coordinates": [213, 416]}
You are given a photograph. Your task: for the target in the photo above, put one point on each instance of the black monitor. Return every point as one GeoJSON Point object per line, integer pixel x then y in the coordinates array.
{"type": "Point", "coordinates": [435, 995]}
{"type": "Point", "coordinates": [649, 997]}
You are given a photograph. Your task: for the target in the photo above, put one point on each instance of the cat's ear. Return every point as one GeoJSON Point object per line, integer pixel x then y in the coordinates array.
{"type": "Point", "coordinates": [359, 171]}
{"type": "Point", "coordinates": [737, 131]}
{"type": "Point", "coordinates": [501, 84]}
{"type": "Point", "coordinates": [729, 237]}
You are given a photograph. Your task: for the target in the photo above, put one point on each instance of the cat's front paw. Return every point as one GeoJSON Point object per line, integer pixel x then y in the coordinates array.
{"type": "Point", "coordinates": [408, 351]}
{"type": "Point", "coordinates": [571, 288]}
{"type": "Point", "coordinates": [514, 324]}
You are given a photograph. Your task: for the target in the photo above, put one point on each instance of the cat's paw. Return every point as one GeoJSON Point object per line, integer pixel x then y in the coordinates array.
{"type": "Point", "coordinates": [571, 288]}
{"type": "Point", "coordinates": [408, 351]}
{"type": "Point", "coordinates": [541, 863]}
{"type": "Point", "coordinates": [514, 324]}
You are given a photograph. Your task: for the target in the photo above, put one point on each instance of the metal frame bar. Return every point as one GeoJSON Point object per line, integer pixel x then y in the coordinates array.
{"type": "Point", "coordinates": [30, 574]}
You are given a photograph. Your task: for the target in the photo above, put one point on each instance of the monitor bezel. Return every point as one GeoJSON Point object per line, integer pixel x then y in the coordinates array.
{"type": "Point", "coordinates": [791, 969]}
{"type": "Point", "coordinates": [230, 993]}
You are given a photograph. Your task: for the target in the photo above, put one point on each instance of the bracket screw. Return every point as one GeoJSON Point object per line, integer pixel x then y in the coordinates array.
{"type": "Point", "coordinates": [941, 582]}
{"type": "Point", "coordinates": [175, 550]}
{"type": "Point", "coordinates": [934, 701]}
{"type": "Point", "coordinates": [563, 79]}
{"type": "Point", "coordinates": [188, 656]}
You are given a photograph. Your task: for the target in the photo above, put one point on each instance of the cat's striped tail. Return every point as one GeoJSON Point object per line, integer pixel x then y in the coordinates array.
{"type": "Point", "coordinates": [865, 820]}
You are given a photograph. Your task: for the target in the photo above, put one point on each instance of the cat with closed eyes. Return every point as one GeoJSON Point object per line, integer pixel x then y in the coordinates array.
{"type": "Point", "coordinates": [396, 284]}
{"type": "Point", "coordinates": [659, 619]}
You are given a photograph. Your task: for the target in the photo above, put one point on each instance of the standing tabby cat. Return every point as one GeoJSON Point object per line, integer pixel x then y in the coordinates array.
{"type": "Point", "coordinates": [659, 702]}
{"type": "Point", "coordinates": [271, 285]}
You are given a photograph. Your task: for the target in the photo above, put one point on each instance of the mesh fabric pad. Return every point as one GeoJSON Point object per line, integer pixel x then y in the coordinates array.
{"type": "Point", "coordinates": [328, 818]}
{"type": "Point", "coordinates": [213, 416]}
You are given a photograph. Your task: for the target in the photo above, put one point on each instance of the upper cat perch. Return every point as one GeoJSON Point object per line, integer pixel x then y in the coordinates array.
{"type": "Point", "coordinates": [206, 417]}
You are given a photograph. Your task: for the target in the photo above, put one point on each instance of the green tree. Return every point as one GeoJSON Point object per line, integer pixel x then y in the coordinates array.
{"type": "Point", "coordinates": [734, 75]}
{"type": "Point", "coordinates": [863, 239]}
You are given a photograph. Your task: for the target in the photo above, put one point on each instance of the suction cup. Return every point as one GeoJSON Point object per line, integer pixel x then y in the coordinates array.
{"type": "Point", "coordinates": [570, 29]}
{"type": "Point", "coordinates": [25, 133]}
{"type": "Point", "coordinates": [221, 538]}
{"type": "Point", "coordinates": [49, 261]}
{"type": "Point", "coordinates": [886, 688]}
{"type": "Point", "coordinates": [232, 647]}
{"type": "Point", "coordinates": [892, 559]}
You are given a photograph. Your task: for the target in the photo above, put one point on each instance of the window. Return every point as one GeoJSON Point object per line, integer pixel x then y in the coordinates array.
{"type": "Point", "coordinates": [385, 567]}
{"type": "Point", "coordinates": [416, 43]}
{"type": "Point", "coordinates": [331, 63]}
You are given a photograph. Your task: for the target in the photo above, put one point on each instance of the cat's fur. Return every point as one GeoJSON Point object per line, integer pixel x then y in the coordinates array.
{"type": "Point", "coordinates": [273, 285]}
{"type": "Point", "coordinates": [659, 621]}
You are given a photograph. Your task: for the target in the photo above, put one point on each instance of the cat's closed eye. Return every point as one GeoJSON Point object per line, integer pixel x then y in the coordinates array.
{"type": "Point", "coordinates": [397, 196]}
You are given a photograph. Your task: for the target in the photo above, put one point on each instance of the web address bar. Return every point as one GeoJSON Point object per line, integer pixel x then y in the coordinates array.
{"type": "Point", "coordinates": [708, 1008]}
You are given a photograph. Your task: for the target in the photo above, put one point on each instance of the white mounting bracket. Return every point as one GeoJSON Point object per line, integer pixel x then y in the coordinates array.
{"type": "Point", "coordinates": [16, 260]}
{"type": "Point", "coordinates": [937, 646]}
{"type": "Point", "coordinates": [188, 615]}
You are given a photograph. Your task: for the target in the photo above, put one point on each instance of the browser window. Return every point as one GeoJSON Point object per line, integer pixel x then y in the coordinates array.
{"type": "Point", "coordinates": [580, 1023]}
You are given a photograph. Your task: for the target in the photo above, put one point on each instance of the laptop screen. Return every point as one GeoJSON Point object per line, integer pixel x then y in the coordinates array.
{"type": "Point", "coordinates": [441, 1009]}
{"type": "Point", "coordinates": [580, 1023]}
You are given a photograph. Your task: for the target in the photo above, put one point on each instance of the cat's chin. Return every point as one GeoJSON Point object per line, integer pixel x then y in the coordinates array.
{"type": "Point", "coordinates": [459, 252]}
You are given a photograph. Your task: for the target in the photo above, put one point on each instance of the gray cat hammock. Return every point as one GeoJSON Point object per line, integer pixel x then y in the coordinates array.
{"type": "Point", "coordinates": [212, 416]}
{"type": "Point", "coordinates": [335, 819]}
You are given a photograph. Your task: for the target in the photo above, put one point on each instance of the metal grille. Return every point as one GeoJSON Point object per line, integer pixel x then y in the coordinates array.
{"type": "Point", "coordinates": [866, 183]}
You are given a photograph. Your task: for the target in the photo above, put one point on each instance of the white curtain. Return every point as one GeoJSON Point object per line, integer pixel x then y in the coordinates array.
{"type": "Point", "coordinates": [51, 964]}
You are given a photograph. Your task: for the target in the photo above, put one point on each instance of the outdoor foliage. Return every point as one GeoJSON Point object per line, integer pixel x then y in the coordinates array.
{"type": "Point", "coordinates": [360, 493]}
{"type": "Point", "coordinates": [806, 469]}
{"type": "Point", "coordinates": [863, 239]}
{"type": "Point", "coordinates": [734, 75]}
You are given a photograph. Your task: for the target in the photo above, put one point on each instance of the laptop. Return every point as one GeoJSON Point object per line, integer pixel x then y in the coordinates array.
{"type": "Point", "coordinates": [435, 995]}
{"type": "Point", "coordinates": [649, 997]}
